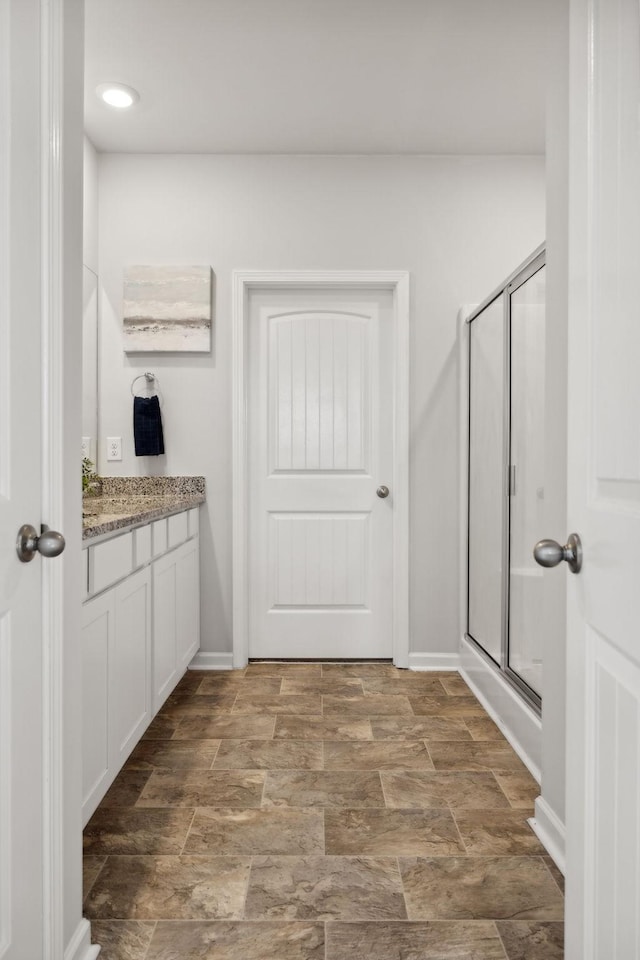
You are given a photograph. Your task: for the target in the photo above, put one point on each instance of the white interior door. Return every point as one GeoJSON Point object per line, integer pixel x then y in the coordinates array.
{"type": "Point", "coordinates": [603, 666]}
{"type": "Point", "coordinates": [21, 686]}
{"type": "Point", "coordinates": [320, 442]}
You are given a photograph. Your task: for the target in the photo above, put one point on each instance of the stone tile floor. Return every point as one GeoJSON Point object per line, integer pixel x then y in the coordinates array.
{"type": "Point", "coordinates": [321, 812]}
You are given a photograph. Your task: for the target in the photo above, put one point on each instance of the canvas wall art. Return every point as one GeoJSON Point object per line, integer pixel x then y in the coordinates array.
{"type": "Point", "coordinates": [167, 309]}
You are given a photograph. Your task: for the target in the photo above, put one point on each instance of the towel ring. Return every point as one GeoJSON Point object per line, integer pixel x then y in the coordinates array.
{"type": "Point", "coordinates": [149, 377]}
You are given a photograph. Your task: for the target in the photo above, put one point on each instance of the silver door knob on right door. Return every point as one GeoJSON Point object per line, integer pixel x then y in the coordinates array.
{"type": "Point", "coordinates": [549, 553]}
{"type": "Point", "coordinates": [383, 492]}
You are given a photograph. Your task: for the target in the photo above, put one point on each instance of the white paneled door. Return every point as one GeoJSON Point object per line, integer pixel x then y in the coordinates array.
{"type": "Point", "coordinates": [21, 652]}
{"type": "Point", "coordinates": [320, 445]}
{"type": "Point", "coordinates": [603, 662]}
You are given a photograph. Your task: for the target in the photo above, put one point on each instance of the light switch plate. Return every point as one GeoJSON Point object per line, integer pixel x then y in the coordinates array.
{"type": "Point", "coordinates": [87, 447]}
{"type": "Point", "coordinates": [114, 448]}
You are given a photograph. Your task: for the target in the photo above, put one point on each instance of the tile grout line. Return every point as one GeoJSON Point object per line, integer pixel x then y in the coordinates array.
{"type": "Point", "coordinates": [85, 893]}
{"type": "Point", "coordinates": [502, 943]}
{"type": "Point", "coordinates": [153, 933]}
{"type": "Point", "coordinates": [186, 836]}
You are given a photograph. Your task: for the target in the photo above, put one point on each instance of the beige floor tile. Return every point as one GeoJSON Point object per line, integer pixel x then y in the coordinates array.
{"type": "Point", "coordinates": [225, 940]}
{"type": "Point", "coordinates": [216, 682]}
{"type": "Point", "coordinates": [532, 940]}
{"type": "Point", "coordinates": [276, 830]}
{"type": "Point", "coordinates": [557, 874]}
{"type": "Point", "coordinates": [414, 940]}
{"type": "Point", "coordinates": [446, 707]}
{"type": "Point", "coordinates": [360, 670]}
{"type": "Point", "coordinates": [456, 687]}
{"type": "Point", "coordinates": [126, 788]}
{"type": "Point", "coordinates": [226, 728]}
{"type": "Point", "coordinates": [234, 768]}
{"type": "Point", "coordinates": [130, 830]}
{"type": "Point", "coordinates": [376, 755]}
{"type": "Point", "coordinates": [325, 888]}
{"type": "Point", "coordinates": [269, 755]}
{"type": "Point", "coordinates": [322, 728]}
{"type": "Point", "coordinates": [283, 669]}
{"type": "Point", "coordinates": [415, 789]}
{"type": "Point", "coordinates": [349, 687]}
{"type": "Point", "coordinates": [203, 788]}
{"type": "Point", "coordinates": [365, 706]}
{"type": "Point", "coordinates": [413, 685]}
{"type": "Point", "coordinates": [160, 728]}
{"type": "Point", "coordinates": [258, 687]}
{"type": "Point", "coordinates": [91, 867]}
{"type": "Point", "coordinates": [457, 888]}
{"type": "Point", "coordinates": [418, 728]}
{"type": "Point", "coordinates": [325, 788]}
{"type": "Point", "coordinates": [169, 888]}
{"type": "Point", "coordinates": [298, 706]}
{"type": "Point", "coordinates": [520, 789]}
{"type": "Point", "coordinates": [477, 755]}
{"type": "Point", "coordinates": [182, 707]}
{"type": "Point", "coordinates": [122, 939]}
{"type": "Point", "coordinates": [391, 833]}
{"type": "Point", "coordinates": [497, 833]}
{"type": "Point", "coordinates": [172, 754]}
{"type": "Point", "coordinates": [191, 680]}
{"type": "Point", "coordinates": [483, 728]}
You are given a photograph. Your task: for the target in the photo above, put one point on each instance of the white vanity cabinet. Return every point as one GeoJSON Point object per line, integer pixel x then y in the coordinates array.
{"type": "Point", "coordinates": [141, 627]}
{"type": "Point", "coordinates": [176, 616]}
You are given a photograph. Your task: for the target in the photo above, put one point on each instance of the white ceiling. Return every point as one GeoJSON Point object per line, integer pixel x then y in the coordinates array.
{"type": "Point", "coordinates": [319, 76]}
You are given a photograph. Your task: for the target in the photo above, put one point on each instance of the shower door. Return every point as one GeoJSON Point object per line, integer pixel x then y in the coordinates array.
{"type": "Point", "coordinates": [506, 476]}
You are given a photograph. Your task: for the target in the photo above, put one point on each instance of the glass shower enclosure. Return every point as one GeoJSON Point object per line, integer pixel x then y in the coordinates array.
{"type": "Point", "coordinates": [506, 392]}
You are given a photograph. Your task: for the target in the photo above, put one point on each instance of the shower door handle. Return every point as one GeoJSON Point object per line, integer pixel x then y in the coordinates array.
{"type": "Point", "coordinates": [549, 553]}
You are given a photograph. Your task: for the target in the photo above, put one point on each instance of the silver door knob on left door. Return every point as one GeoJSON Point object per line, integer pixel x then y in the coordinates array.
{"type": "Point", "coordinates": [383, 492]}
{"type": "Point", "coordinates": [49, 543]}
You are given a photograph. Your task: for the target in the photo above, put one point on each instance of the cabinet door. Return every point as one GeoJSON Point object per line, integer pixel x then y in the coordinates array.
{"type": "Point", "coordinates": [188, 597]}
{"type": "Point", "coordinates": [98, 631]}
{"type": "Point", "coordinates": [165, 627]}
{"type": "Point", "coordinates": [130, 697]}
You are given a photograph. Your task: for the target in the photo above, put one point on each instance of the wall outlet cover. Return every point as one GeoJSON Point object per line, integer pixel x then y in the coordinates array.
{"type": "Point", "coordinates": [114, 448]}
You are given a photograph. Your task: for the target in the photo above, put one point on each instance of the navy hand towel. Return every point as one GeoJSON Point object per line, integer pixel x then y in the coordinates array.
{"type": "Point", "coordinates": [147, 427]}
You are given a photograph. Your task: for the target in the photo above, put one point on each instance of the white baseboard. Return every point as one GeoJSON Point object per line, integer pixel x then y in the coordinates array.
{"type": "Point", "coordinates": [520, 724]}
{"type": "Point", "coordinates": [434, 661]}
{"type": "Point", "coordinates": [204, 660]}
{"type": "Point", "coordinates": [80, 946]}
{"type": "Point", "coordinates": [549, 829]}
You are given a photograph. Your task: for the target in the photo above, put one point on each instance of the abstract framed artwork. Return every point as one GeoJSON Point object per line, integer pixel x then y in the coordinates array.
{"type": "Point", "coordinates": [167, 309]}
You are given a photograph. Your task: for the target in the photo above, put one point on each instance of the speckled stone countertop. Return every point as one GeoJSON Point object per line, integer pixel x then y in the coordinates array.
{"type": "Point", "coordinates": [130, 501]}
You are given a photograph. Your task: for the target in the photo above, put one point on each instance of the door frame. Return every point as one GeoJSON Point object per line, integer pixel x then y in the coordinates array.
{"type": "Point", "coordinates": [396, 281]}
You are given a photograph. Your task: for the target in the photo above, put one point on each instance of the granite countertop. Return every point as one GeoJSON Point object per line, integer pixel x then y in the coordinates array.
{"type": "Point", "coordinates": [124, 502]}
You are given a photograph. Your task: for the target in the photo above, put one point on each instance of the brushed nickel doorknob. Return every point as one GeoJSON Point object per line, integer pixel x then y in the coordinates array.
{"type": "Point", "coordinates": [383, 492]}
{"type": "Point", "coordinates": [549, 553]}
{"type": "Point", "coordinates": [49, 543]}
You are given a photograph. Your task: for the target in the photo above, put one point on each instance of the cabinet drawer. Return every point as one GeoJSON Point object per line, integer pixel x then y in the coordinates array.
{"type": "Point", "coordinates": [110, 561]}
{"type": "Point", "coordinates": [194, 521]}
{"type": "Point", "coordinates": [142, 541]}
{"type": "Point", "coordinates": [178, 529]}
{"type": "Point", "coordinates": [159, 530]}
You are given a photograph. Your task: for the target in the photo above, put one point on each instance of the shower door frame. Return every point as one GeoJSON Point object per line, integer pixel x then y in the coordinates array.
{"type": "Point", "coordinates": [535, 262]}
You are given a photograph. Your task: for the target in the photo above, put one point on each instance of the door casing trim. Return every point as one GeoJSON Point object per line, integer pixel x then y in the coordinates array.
{"type": "Point", "coordinates": [397, 281]}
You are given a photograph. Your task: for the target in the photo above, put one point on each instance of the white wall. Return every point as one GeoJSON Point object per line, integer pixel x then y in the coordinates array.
{"type": "Point", "coordinates": [459, 225]}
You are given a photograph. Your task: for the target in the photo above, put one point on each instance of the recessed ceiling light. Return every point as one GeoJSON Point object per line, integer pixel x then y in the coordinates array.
{"type": "Point", "coordinates": [117, 95]}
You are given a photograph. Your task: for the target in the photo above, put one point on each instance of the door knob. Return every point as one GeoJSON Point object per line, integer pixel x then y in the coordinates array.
{"type": "Point", "coordinates": [383, 492]}
{"type": "Point", "coordinates": [549, 553]}
{"type": "Point", "coordinates": [50, 543]}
